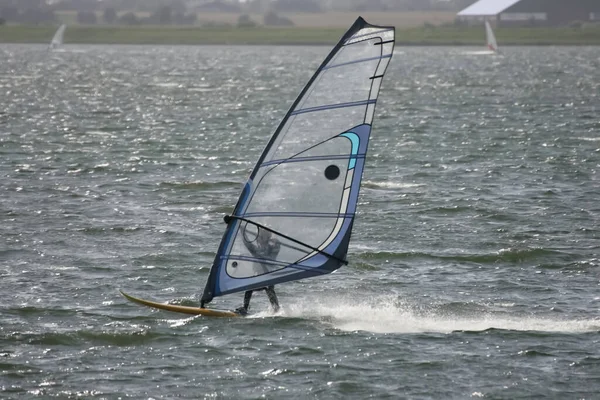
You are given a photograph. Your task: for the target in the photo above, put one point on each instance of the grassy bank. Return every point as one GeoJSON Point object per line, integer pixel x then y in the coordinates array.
{"type": "Point", "coordinates": [506, 36]}
{"type": "Point", "coordinates": [170, 35]}
{"type": "Point", "coordinates": [296, 35]}
{"type": "Point", "coordinates": [333, 19]}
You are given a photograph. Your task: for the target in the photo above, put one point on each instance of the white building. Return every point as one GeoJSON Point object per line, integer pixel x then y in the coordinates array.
{"type": "Point", "coordinates": [531, 12]}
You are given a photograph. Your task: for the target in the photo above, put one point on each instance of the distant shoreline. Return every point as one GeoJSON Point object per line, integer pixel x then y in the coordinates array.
{"type": "Point", "coordinates": [191, 35]}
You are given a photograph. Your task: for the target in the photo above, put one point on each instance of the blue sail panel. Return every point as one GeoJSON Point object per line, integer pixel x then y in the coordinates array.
{"type": "Point", "coordinates": [295, 215]}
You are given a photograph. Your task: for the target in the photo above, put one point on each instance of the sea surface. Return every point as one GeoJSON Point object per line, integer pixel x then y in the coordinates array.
{"type": "Point", "coordinates": [474, 264]}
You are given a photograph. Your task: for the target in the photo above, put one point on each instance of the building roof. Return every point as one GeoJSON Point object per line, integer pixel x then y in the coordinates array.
{"type": "Point", "coordinates": [487, 8]}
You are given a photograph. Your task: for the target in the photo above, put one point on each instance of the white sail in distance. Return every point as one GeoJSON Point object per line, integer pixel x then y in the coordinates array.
{"type": "Point", "coordinates": [57, 40]}
{"type": "Point", "coordinates": [492, 44]}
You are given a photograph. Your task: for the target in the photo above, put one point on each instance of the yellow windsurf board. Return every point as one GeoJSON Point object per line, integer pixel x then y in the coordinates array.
{"type": "Point", "coordinates": [181, 309]}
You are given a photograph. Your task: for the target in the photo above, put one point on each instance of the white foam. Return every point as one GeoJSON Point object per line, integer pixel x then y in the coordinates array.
{"type": "Point", "coordinates": [479, 53]}
{"type": "Point", "coordinates": [385, 315]}
{"type": "Point", "coordinates": [390, 185]}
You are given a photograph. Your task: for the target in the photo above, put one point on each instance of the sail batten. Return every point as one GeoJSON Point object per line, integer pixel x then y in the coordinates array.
{"type": "Point", "coordinates": [313, 158]}
{"type": "Point", "coordinates": [294, 217]}
{"type": "Point", "coordinates": [357, 61]}
{"type": "Point", "coordinates": [334, 106]}
{"type": "Point", "coordinates": [298, 214]}
{"type": "Point", "coordinates": [297, 266]}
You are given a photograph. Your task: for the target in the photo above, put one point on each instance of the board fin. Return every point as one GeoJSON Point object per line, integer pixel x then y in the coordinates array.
{"type": "Point", "coordinates": [181, 309]}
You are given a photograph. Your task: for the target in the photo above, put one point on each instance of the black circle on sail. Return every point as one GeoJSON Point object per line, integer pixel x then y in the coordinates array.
{"type": "Point", "coordinates": [332, 172]}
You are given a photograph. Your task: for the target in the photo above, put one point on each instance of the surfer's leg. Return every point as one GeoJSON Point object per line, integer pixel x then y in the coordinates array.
{"type": "Point", "coordinates": [247, 297]}
{"type": "Point", "coordinates": [244, 309]}
{"type": "Point", "coordinates": [272, 297]}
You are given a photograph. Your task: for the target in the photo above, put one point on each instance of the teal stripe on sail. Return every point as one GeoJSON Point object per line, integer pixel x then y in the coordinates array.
{"type": "Point", "coordinates": [355, 145]}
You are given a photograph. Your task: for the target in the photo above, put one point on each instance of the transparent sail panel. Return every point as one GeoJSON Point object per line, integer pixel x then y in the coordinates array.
{"type": "Point", "coordinates": [300, 186]}
{"type": "Point", "coordinates": [302, 197]}
{"type": "Point", "coordinates": [332, 87]}
{"type": "Point", "coordinates": [306, 130]}
{"type": "Point", "coordinates": [253, 254]}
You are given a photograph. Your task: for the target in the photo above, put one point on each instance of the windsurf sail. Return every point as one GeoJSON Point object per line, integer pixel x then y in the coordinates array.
{"type": "Point", "coordinates": [490, 37]}
{"type": "Point", "coordinates": [57, 40]}
{"type": "Point", "coordinates": [294, 217]}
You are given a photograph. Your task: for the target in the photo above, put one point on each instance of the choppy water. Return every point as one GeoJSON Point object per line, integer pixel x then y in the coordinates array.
{"type": "Point", "coordinates": [474, 267]}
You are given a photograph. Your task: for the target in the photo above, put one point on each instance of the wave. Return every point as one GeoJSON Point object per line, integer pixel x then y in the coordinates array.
{"type": "Point", "coordinates": [446, 210]}
{"type": "Point", "coordinates": [589, 139]}
{"type": "Point", "coordinates": [199, 185]}
{"type": "Point", "coordinates": [97, 230]}
{"type": "Point", "coordinates": [479, 53]}
{"type": "Point", "coordinates": [385, 315]}
{"type": "Point", "coordinates": [85, 336]}
{"type": "Point", "coordinates": [506, 255]}
{"type": "Point", "coordinates": [389, 185]}
{"type": "Point", "coordinates": [169, 258]}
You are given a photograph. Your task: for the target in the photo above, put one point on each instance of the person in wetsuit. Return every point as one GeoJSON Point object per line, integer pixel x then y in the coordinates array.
{"type": "Point", "coordinates": [263, 246]}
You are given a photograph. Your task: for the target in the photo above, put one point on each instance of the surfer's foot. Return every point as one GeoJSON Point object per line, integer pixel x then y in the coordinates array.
{"type": "Point", "coordinates": [241, 311]}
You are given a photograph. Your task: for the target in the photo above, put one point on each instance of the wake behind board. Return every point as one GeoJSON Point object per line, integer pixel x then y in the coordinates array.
{"type": "Point", "coordinates": [181, 309]}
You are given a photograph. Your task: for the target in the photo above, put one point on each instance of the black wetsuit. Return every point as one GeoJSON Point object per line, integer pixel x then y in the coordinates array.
{"type": "Point", "coordinates": [269, 250]}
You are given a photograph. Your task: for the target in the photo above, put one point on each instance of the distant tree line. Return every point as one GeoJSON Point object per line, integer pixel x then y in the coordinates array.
{"type": "Point", "coordinates": [178, 11]}
{"type": "Point", "coordinates": [164, 15]}
{"type": "Point", "coordinates": [38, 12]}
{"type": "Point", "coordinates": [355, 5]}
{"type": "Point", "coordinates": [137, 5]}
{"type": "Point", "coordinates": [89, 11]}
{"type": "Point", "coordinates": [29, 12]}
{"type": "Point", "coordinates": [26, 12]}
{"type": "Point", "coordinates": [163, 12]}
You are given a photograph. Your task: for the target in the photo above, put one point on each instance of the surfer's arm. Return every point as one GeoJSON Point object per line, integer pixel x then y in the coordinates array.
{"type": "Point", "coordinates": [276, 248]}
{"type": "Point", "coordinates": [250, 246]}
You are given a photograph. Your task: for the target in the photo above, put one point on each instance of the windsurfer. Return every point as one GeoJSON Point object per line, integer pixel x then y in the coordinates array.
{"type": "Point", "coordinates": [263, 246]}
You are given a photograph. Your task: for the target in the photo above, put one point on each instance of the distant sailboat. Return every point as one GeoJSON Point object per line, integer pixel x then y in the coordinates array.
{"type": "Point", "coordinates": [57, 40]}
{"type": "Point", "coordinates": [490, 37]}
